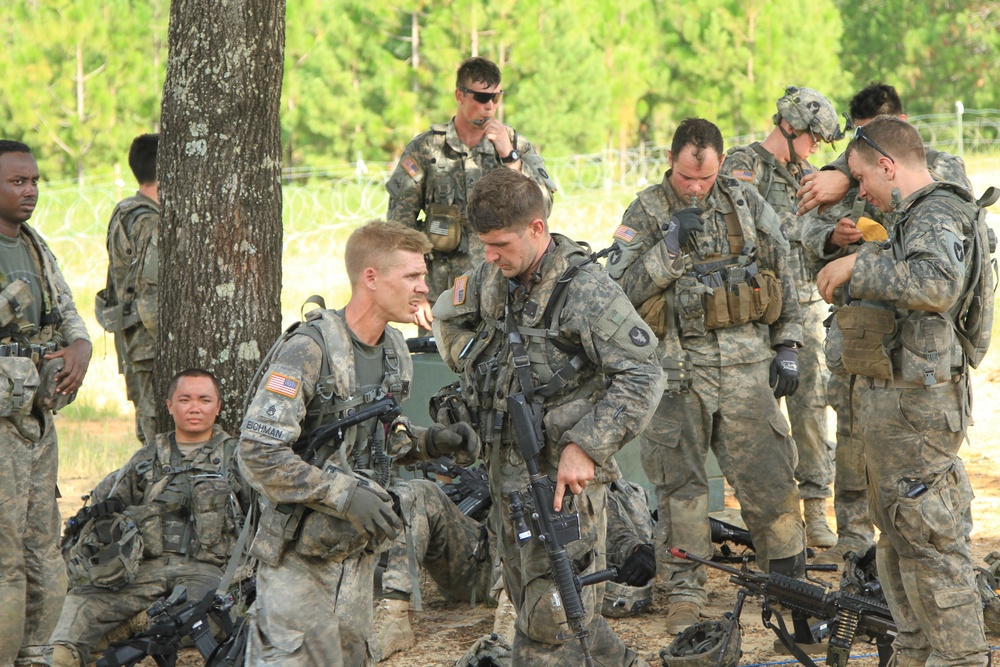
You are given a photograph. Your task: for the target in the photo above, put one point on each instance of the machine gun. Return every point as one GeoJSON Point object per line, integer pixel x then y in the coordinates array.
{"type": "Point", "coordinates": [171, 619]}
{"type": "Point", "coordinates": [723, 532]}
{"type": "Point", "coordinates": [470, 487]}
{"type": "Point", "coordinates": [553, 529]}
{"type": "Point", "coordinates": [850, 615]}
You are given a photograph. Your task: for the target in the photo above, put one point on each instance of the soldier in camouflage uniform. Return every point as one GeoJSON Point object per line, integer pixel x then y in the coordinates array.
{"type": "Point", "coordinates": [715, 286]}
{"type": "Point", "coordinates": [438, 169]}
{"type": "Point", "coordinates": [591, 364]}
{"type": "Point", "coordinates": [127, 306]}
{"type": "Point", "coordinates": [184, 492]}
{"type": "Point", "coordinates": [41, 333]}
{"type": "Point", "coordinates": [775, 167]}
{"type": "Point", "coordinates": [830, 234]}
{"type": "Point", "coordinates": [915, 398]}
{"type": "Point", "coordinates": [324, 521]}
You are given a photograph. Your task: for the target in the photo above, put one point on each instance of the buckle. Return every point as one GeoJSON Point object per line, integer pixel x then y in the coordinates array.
{"type": "Point", "coordinates": [521, 361]}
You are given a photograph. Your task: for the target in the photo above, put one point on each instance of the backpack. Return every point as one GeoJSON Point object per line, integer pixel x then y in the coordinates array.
{"type": "Point", "coordinates": [974, 323]}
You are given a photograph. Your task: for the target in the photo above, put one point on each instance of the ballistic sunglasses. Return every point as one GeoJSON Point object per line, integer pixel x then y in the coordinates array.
{"type": "Point", "coordinates": [859, 134]}
{"type": "Point", "coordinates": [481, 97]}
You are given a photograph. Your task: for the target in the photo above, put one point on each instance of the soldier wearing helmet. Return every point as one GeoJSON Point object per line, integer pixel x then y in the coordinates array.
{"type": "Point", "coordinates": [775, 167]}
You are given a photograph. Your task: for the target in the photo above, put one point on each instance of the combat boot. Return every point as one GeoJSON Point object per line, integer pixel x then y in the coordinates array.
{"type": "Point", "coordinates": [65, 656]}
{"type": "Point", "coordinates": [392, 627]}
{"type": "Point", "coordinates": [504, 617]}
{"type": "Point", "coordinates": [818, 533]}
{"type": "Point", "coordinates": [681, 615]}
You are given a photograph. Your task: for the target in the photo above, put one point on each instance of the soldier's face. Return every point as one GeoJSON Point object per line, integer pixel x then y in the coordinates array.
{"type": "Point", "coordinates": [18, 188]}
{"type": "Point", "coordinates": [399, 286]}
{"type": "Point", "coordinates": [475, 112]}
{"type": "Point", "coordinates": [513, 251]}
{"type": "Point", "coordinates": [875, 185]}
{"type": "Point", "coordinates": [194, 407]}
{"type": "Point", "coordinates": [693, 174]}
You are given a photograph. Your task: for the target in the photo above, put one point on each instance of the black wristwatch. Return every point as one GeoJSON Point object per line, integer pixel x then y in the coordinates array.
{"type": "Point", "coordinates": [513, 156]}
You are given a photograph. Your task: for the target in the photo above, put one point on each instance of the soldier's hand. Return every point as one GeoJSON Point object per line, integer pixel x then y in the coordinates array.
{"type": "Point", "coordinates": [576, 470]}
{"type": "Point", "coordinates": [822, 188]}
{"type": "Point", "coordinates": [370, 511]}
{"type": "Point", "coordinates": [458, 438]}
{"type": "Point", "coordinates": [638, 568]}
{"type": "Point", "coordinates": [682, 225]}
{"type": "Point", "coordinates": [835, 274]}
{"type": "Point", "coordinates": [784, 376]}
{"type": "Point", "coordinates": [845, 233]}
{"type": "Point", "coordinates": [76, 358]}
{"type": "Point", "coordinates": [497, 133]}
{"type": "Point", "coordinates": [423, 317]}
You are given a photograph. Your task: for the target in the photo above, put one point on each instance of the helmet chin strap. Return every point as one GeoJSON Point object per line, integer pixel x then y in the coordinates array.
{"type": "Point", "coordinates": [793, 157]}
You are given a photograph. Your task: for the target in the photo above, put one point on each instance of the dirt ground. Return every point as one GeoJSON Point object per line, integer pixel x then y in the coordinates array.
{"type": "Point", "coordinates": [445, 630]}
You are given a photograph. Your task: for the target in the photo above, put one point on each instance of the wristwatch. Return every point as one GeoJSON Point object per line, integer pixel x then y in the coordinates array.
{"type": "Point", "coordinates": [513, 156]}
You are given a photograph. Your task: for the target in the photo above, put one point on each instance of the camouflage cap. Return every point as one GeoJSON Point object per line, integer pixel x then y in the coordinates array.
{"type": "Point", "coordinates": [700, 644]}
{"type": "Point", "coordinates": [807, 110]}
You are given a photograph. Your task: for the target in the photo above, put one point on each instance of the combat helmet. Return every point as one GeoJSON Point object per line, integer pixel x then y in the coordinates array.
{"type": "Point", "coordinates": [700, 644]}
{"type": "Point", "coordinates": [808, 111]}
{"type": "Point", "coordinates": [622, 600]}
{"type": "Point", "coordinates": [108, 552]}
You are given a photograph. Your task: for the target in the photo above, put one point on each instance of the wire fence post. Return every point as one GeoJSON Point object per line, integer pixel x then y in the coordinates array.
{"type": "Point", "coordinates": [959, 110]}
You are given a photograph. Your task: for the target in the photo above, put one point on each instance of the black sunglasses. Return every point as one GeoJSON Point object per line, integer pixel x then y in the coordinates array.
{"type": "Point", "coordinates": [859, 134]}
{"type": "Point", "coordinates": [481, 97]}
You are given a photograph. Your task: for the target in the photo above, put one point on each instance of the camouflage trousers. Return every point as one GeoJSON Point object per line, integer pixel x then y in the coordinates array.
{"type": "Point", "coordinates": [32, 571]}
{"type": "Point", "coordinates": [733, 411]}
{"type": "Point", "coordinates": [449, 545]}
{"type": "Point", "coordinates": [91, 612]}
{"type": "Point", "coordinates": [850, 499]}
{"type": "Point", "coordinates": [542, 636]}
{"type": "Point", "coordinates": [807, 408]}
{"type": "Point", "coordinates": [920, 498]}
{"type": "Point", "coordinates": [313, 611]}
{"type": "Point", "coordinates": [139, 389]}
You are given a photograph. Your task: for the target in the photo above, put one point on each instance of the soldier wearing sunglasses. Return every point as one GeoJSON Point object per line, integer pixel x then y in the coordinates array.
{"type": "Point", "coordinates": [437, 170]}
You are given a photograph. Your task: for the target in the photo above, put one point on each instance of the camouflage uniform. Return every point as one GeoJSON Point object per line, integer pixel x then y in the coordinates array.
{"type": "Point", "coordinates": [920, 493]}
{"type": "Point", "coordinates": [777, 184]}
{"type": "Point", "coordinates": [32, 574]}
{"type": "Point", "coordinates": [314, 587]}
{"type": "Point", "coordinates": [130, 302]}
{"type": "Point", "coordinates": [599, 408]}
{"type": "Point", "coordinates": [854, 524]}
{"type": "Point", "coordinates": [717, 392]}
{"type": "Point", "coordinates": [189, 510]}
{"type": "Point", "coordinates": [437, 168]}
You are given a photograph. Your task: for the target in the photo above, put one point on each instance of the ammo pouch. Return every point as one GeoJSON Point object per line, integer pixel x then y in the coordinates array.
{"type": "Point", "coordinates": [210, 509]}
{"type": "Point", "coordinates": [147, 519]}
{"type": "Point", "coordinates": [13, 300]}
{"type": "Point", "coordinates": [767, 297]}
{"type": "Point", "coordinates": [757, 298]}
{"type": "Point", "coordinates": [688, 293]}
{"type": "Point", "coordinates": [276, 521]}
{"type": "Point", "coordinates": [677, 372]}
{"type": "Point", "coordinates": [323, 535]}
{"type": "Point", "coordinates": [113, 318]}
{"type": "Point", "coordinates": [655, 313]}
{"type": "Point", "coordinates": [18, 385]}
{"type": "Point", "coordinates": [443, 226]}
{"type": "Point", "coordinates": [46, 397]}
{"type": "Point", "coordinates": [925, 356]}
{"type": "Point", "coordinates": [866, 333]}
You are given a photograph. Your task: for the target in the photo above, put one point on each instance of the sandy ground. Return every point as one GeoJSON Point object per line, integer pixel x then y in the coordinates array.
{"type": "Point", "coordinates": [445, 630]}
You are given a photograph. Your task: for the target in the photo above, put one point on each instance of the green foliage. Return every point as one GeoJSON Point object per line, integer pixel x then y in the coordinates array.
{"type": "Point", "coordinates": [83, 77]}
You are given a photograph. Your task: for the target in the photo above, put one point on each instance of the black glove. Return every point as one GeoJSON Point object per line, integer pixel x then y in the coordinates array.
{"type": "Point", "coordinates": [682, 224]}
{"type": "Point", "coordinates": [107, 508]}
{"type": "Point", "coordinates": [370, 511]}
{"type": "Point", "coordinates": [459, 438]}
{"type": "Point", "coordinates": [784, 376]}
{"type": "Point", "coordinates": [638, 568]}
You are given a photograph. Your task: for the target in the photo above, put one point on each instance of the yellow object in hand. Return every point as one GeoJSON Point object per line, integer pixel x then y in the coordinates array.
{"type": "Point", "coordinates": [871, 230]}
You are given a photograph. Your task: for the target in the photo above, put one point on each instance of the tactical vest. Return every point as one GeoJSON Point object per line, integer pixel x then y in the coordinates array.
{"type": "Point", "coordinates": [189, 506]}
{"type": "Point", "coordinates": [19, 329]}
{"type": "Point", "coordinates": [722, 291]}
{"type": "Point", "coordinates": [115, 306]}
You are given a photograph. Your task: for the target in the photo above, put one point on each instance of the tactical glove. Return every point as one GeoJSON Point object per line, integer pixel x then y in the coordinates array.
{"type": "Point", "coordinates": [784, 376]}
{"type": "Point", "coordinates": [638, 568]}
{"type": "Point", "coordinates": [682, 225]}
{"type": "Point", "coordinates": [370, 511]}
{"type": "Point", "coordinates": [457, 438]}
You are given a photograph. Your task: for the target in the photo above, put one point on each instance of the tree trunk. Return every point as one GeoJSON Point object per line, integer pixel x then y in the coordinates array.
{"type": "Point", "coordinates": [219, 169]}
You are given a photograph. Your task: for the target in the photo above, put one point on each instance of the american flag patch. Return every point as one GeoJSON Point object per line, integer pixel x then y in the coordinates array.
{"type": "Point", "coordinates": [281, 384]}
{"type": "Point", "coordinates": [625, 233]}
{"type": "Point", "coordinates": [743, 175]}
{"type": "Point", "coordinates": [458, 292]}
{"type": "Point", "coordinates": [410, 166]}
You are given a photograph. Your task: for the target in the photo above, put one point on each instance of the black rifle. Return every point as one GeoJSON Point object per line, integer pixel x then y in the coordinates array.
{"type": "Point", "coordinates": [553, 529]}
{"type": "Point", "coordinates": [73, 525]}
{"type": "Point", "coordinates": [171, 619]}
{"type": "Point", "coordinates": [470, 487]}
{"type": "Point", "coordinates": [850, 615]}
{"type": "Point", "coordinates": [385, 409]}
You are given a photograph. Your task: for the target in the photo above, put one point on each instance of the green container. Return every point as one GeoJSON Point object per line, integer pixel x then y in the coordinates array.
{"type": "Point", "coordinates": [430, 374]}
